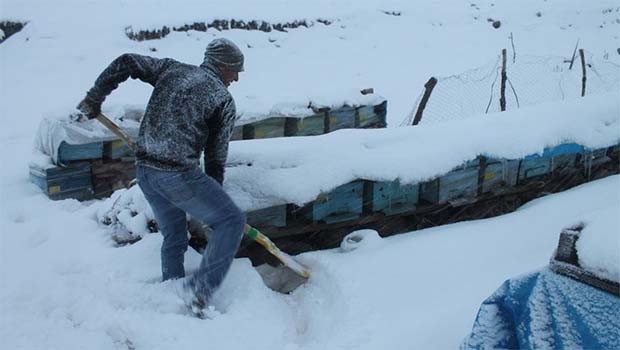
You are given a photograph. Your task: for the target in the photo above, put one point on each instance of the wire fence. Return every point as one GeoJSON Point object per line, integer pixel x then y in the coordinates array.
{"type": "Point", "coordinates": [529, 80]}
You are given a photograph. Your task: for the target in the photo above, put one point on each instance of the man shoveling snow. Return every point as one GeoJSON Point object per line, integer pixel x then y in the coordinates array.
{"type": "Point", "coordinates": [190, 111]}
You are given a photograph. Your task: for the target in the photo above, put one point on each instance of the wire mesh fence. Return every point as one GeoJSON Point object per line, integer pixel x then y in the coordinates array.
{"type": "Point", "coordinates": [529, 80]}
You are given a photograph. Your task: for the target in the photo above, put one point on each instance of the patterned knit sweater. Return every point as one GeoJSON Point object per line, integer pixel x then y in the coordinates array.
{"type": "Point", "coordinates": [190, 111]}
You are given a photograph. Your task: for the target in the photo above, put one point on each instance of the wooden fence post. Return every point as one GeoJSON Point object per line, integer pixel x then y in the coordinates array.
{"type": "Point", "coordinates": [428, 88]}
{"type": "Point", "coordinates": [502, 98]}
{"type": "Point", "coordinates": [583, 71]}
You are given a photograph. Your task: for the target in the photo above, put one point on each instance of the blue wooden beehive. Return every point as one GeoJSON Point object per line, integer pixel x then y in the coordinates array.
{"type": "Point", "coordinates": [459, 184]}
{"type": "Point", "coordinates": [307, 126]}
{"type": "Point", "coordinates": [392, 197]}
{"type": "Point", "coordinates": [366, 117]}
{"type": "Point", "coordinates": [116, 149]}
{"type": "Point", "coordinates": [499, 174]}
{"type": "Point", "coordinates": [552, 158]}
{"type": "Point", "coordinates": [268, 217]}
{"type": "Point", "coordinates": [341, 204]}
{"type": "Point", "coordinates": [271, 127]}
{"type": "Point", "coordinates": [73, 181]}
{"type": "Point", "coordinates": [237, 133]}
{"type": "Point", "coordinates": [70, 153]}
{"type": "Point", "coordinates": [341, 118]}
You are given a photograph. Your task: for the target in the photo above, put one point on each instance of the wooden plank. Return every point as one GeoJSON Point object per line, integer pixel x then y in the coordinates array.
{"type": "Point", "coordinates": [341, 118]}
{"type": "Point", "coordinates": [344, 203]}
{"type": "Point", "coordinates": [268, 217]}
{"type": "Point", "coordinates": [392, 197]}
{"type": "Point", "coordinates": [70, 153]}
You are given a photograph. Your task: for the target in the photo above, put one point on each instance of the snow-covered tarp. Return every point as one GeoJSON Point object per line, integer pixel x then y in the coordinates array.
{"type": "Point", "coordinates": [60, 127]}
{"type": "Point", "coordinates": [544, 310]}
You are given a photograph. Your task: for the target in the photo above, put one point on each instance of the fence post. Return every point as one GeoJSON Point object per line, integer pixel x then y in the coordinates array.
{"type": "Point", "coordinates": [428, 88]}
{"type": "Point", "coordinates": [502, 98]}
{"type": "Point", "coordinates": [583, 72]}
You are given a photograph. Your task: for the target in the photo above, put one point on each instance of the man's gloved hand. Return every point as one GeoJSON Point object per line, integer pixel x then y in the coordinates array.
{"type": "Point", "coordinates": [90, 108]}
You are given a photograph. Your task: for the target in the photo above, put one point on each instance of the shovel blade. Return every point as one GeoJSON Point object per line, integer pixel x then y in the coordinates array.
{"type": "Point", "coordinates": [281, 278]}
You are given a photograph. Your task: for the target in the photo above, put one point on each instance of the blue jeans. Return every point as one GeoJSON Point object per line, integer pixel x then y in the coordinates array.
{"type": "Point", "coordinates": [171, 195]}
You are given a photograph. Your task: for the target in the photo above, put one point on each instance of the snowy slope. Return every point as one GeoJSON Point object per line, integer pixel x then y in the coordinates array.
{"type": "Point", "coordinates": [70, 288]}
{"type": "Point", "coordinates": [64, 285]}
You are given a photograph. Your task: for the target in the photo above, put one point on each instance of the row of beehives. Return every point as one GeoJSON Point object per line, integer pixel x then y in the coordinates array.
{"type": "Point", "coordinates": [480, 177]}
{"type": "Point", "coordinates": [97, 169]}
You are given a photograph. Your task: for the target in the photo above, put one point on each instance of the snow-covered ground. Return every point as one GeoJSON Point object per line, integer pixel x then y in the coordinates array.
{"type": "Point", "coordinates": [63, 284]}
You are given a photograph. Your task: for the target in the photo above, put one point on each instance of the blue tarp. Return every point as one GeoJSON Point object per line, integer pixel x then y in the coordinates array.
{"type": "Point", "coordinates": [544, 310]}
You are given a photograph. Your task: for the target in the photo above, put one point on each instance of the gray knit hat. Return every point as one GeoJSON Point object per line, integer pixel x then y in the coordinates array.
{"type": "Point", "coordinates": [223, 52]}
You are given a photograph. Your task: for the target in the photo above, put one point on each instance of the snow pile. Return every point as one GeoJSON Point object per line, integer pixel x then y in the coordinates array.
{"type": "Point", "coordinates": [410, 154]}
{"type": "Point", "coordinates": [598, 246]}
{"type": "Point", "coordinates": [127, 214]}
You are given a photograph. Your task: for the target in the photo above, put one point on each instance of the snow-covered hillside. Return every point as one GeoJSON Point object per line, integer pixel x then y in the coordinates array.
{"type": "Point", "coordinates": [64, 285]}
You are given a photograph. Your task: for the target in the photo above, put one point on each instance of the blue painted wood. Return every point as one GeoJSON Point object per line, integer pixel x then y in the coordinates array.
{"type": "Point", "coordinates": [69, 153]}
{"type": "Point", "coordinates": [567, 148]}
{"type": "Point", "coordinates": [341, 118]}
{"type": "Point", "coordinates": [499, 174]}
{"type": "Point", "coordinates": [268, 128]}
{"type": "Point", "coordinates": [455, 185]}
{"type": "Point", "coordinates": [533, 167]}
{"type": "Point", "coordinates": [366, 117]}
{"type": "Point", "coordinates": [341, 204]}
{"type": "Point", "coordinates": [307, 126]}
{"type": "Point", "coordinates": [393, 198]}
{"type": "Point", "coordinates": [116, 149]}
{"type": "Point", "coordinates": [268, 217]}
{"type": "Point", "coordinates": [73, 181]}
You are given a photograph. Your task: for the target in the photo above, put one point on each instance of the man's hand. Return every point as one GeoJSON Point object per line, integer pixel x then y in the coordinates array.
{"type": "Point", "coordinates": [90, 108]}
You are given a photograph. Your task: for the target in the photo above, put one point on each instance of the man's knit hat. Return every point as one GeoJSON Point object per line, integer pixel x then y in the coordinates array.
{"type": "Point", "coordinates": [223, 52]}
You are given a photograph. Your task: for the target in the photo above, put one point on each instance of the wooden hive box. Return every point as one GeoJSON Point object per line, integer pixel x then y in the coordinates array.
{"type": "Point", "coordinates": [342, 118]}
{"type": "Point", "coordinates": [392, 197]}
{"type": "Point", "coordinates": [381, 112]}
{"type": "Point", "coordinates": [307, 126]}
{"type": "Point", "coordinates": [458, 185]}
{"type": "Point", "coordinates": [116, 149]}
{"type": "Point", "coordinates": [109, 176]}
{"type": "Point", "coordinates": [268, 217]}
{"type": "Point", "coordinates": [597, 156]}
{"type": "Point", "coordinates": [344, 203]}
{"type": "Point", "coordinates": [73, 181]}
{"type": "Point", "coordinates": [499, 174]}
{"type": "Point", "coordinates": [564, 157]}
{"type": "Point", "coordinates": [533, 166]}
{"type": "Point", "coordinates": [70, 153]}
{"type": "Point", "coordinates": [554, 158]}
{"type": "Point", "coordinates": [237, 133]}
{"type": "Point", "coordinates": [268, 128]}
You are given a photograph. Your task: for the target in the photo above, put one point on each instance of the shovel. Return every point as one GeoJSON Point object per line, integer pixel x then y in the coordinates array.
{"type": "Point", "coordinates": [284, 278]}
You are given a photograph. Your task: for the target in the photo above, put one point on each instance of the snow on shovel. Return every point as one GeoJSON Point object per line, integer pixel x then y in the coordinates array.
{"type": "Point", "coordinates": [280, 279]}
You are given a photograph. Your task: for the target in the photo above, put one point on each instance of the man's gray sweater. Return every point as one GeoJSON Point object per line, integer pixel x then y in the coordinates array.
{"type": "Point", "coordinates": [190, 111]}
